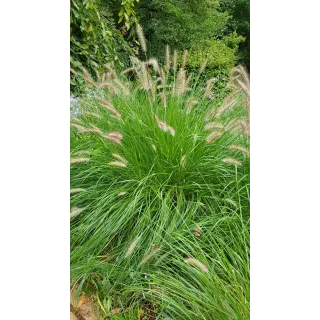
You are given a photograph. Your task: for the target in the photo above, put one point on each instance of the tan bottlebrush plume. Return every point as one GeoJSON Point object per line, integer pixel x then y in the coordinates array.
{"type": "Point", "coordinates": [239, 125]}
{"type": "Point", "coordinates": [124, 89]}
{"type": "Point", "coordinates": [95, 129]}
{"type": "Point", "coordinates": [183, 160]}
{"type": "Point", "coordinates": [75, 120]}
{"type": "Point", "coordinates": [240, 72]}
{"type": "Point", "coordinates": [73, 71]}
{"type": "Point", "coordinates": [154, 63]}
{"type": "Point", "coordinates": [144, 77]}
{"type": "Point", "coordinates": [114, 136]}
{"type": "Point", "coordinates": [77, 126]}
{"type": "Point", "coordinates": [128, 70]}
{"type": "Point", "coordinates": [214, 136]}
{"type": "Point", "coordinates": [175, 60]}
{"type": "Point", "coordinates": [191, 102]}
{"type": "Point", "coordinates": [117, 156]}
{"type": "Point", "coordinates": [168, 60]}
{"type": "Point", "coordinates": [210, 114]}
{"type": "Point", "coordinates": [142, 39]}
{"type": "Point", "coordinates": [208, 88]}
{"type": "Point", "coordinates": [93, 114]}
{"type": "Point", "coordinates": [87, 77]}
{"type": "Point", "coordinates": [98, 75]}
{"type": "Point", "coordinates": [245, 88]}
{"type": "Point", "coordinates": [111, 71]}
{"type": "Point", "coordinates": [163, 76]}
{"type": "Point", "coordinates": [79, 160]}
{"type": "Point", "coordinates": [148, 257]}
{"type": "Point", "coordinates": [76, 190]}
{"type": "Point", "coordinates": [245, 126]}
{"type": "Point", "coordinates": [232, 161]}
{"type": "Point", "coordinates": [122, 193]}
{"type": "Point", "coordinates": [184, 58]}
{"type": "Point", "coordinates": [109, 106]}
{"type": "Point", "coordinates": [202, 67]}
{"type": "Point", "coordinates": [132, 247]}
{"type": "Point", "coordinates": [226, 107]}
{"type": "Point", "coordinates": [239, 148]}
{"type": "Point", "coordinates": [197, 232]}
{"type": "Point", "coordinates": [82, 152]}
{"type": "Point", "coordinates": [117, 164]}
{"type": "Point", "coordinates": [75, 211]}
{"type": "Point", "coordinates": [213, 125]}
{"type": "Point", "coordinates": [103, 78]}
{"type": "Point", "coordinates": [164, 127]}
{"type": "Point", "coordinates": [232, 202]}
{"type": "Point", "coordinates": [197, 263]}
{"type": "Point", "coordinates": [181, 82]}
{"type": "Point", "coordinates": [108, 84]}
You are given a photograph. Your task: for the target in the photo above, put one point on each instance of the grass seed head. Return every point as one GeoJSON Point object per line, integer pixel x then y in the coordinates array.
{"type": "Point", "coordinates": [117, 164]}
{"type": "Point", "coordinates": [75, 211]}
{"type": "Point", "coordinates": [213, 125]}
{"type": "Point", "coordinates": [114, 137]}
{"type": "Point", "coordinates": [197, 263]}
{"type": "Point", "coordinates": [239, 148]}
{"type": "Point", "coordinates": [120, 158]}
{"type": "Point", "coordinates": [164, 127]}
{"type": "Point", "coordinates": [79, 160]}
{"type": "Point", "coordinates": [132, 247]}
{"type": "Point", "coordinates": [214, 136]}
{"type": "Point", "coordinates": [76, 190]}
{"type": "Point", "coordinates": [191, 102]}
{"type": "Point", "coordinates": [232, 161]}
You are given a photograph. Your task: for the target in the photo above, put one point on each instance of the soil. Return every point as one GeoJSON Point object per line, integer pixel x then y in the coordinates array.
{"type": "Point", "coordinates": [82, 308]}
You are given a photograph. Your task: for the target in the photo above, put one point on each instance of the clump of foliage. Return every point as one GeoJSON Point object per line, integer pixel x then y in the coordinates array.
{"type": "Point", "coordinates": [94, 39]}
{"type": "Point", "coordinates": [160, 194]}
{"type": "Point", "coordinates": [239, 22]}
{"type": "Point", "coordinates": [197, 26]}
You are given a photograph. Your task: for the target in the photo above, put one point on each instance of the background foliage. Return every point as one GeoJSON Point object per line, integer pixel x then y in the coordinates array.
{"type": "Point", "coordinates": [103, 32]}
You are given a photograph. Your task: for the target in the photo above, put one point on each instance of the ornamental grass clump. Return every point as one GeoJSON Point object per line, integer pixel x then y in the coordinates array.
{"type": "Point", "coordinates": [151, 158]}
